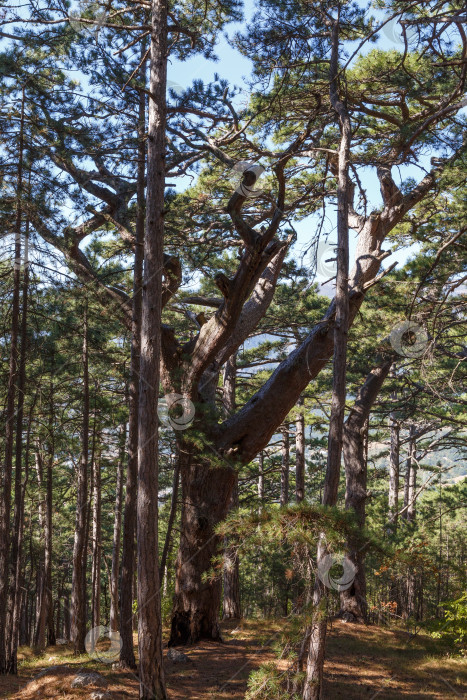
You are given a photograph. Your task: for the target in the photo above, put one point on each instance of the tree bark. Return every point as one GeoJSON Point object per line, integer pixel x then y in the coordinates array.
{"type": "Point", "coordinates": [78, 588]}
{"type": "Point", "coordinates": [13, 619]}
{"type": "Point", "coordinates": [151, 672]}
{"type": "Point", "coordinates": [48, 533]}
{"type": "Point", "coordinates": [353, 600]}
{"type": "Point", "coordinates": [300, 454]}
{"type": "Point", "coordinates": [412, 470]}
{"type": "Point", "coordinates": [231, 609]}
{"type": "Point", "coordinates": [7, 470]}
{"type": "Point", "coordinates": [127, 654]}
{"type": "Point", "coordinates": [114, 616]}
{"type": "Point", "coordinates": [41, 588]}
{"type": "Point", "coordinates": [285, 465]}
{"type": "Point", "coordinates": [96, 540]}
{"type": "Point", "coordinates": [261, 478]}
{"type": "Point", "coordinates": [394, 473]}
{"type": "Point", "coordinates": [206, 493]}
{"type": "Point", "coordinates": [172, 515]}
{"type": "Point", "coordinates": [317, 634]}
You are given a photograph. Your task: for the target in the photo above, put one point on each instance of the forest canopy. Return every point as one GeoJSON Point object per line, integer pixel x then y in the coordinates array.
{"type": "Point", "coordinates": [233, 351]}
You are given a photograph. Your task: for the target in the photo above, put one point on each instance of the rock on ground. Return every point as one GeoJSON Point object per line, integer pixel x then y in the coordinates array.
{"type": "Point", "coordinates": [177, 657]}
{"type": "Point", "coordinates": [85, 678]}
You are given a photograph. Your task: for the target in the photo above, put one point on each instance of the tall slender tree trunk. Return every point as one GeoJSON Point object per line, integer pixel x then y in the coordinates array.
{"type": "Point", "coordinates": [78, 585]}
{"type": "Point", "coordinates": [261, 477]}
{"type": "Point", "coordinates": [353, 599]}
{"type": "Point", "coordinates": [300, 454]}
{"type": "Point", "coordinates": [285, 465]}
{"type": "Point", "coordinates": [7, 469]}
{"type": "Point", "coordinates": [20, 600]}
{"type": "Point", "coordinates": [412, 471]}
{"type": "Point", "coordinates": [13, 618]}
{"type": "Point", "coordinates": [96, 541]}
{"type": "Point", "coordinates": [114, 617]}
{"type": "Point", "coordinates": [41, 587]}
{"type": "Point", "coordinates": [48, 543]}
{"type": "Point", "coordinates": [231, 608]}
{"type": "Point", "coordinates": [172, 515]}
{"type": "Point", "coordinates": [66, 618]}
{"type": "Point", "coordinates": [151, 672]}
{"type": "Point", "coordinates": [127, 654]}
{"type": "Point", "coordinates": [317, 633]}
{"type": "Point", "coordinates": [406, 485]}
{"type": "Point", "coordinates": [394, 473]}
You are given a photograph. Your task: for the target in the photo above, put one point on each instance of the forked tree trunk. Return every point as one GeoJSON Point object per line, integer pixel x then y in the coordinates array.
{"type": "Point", "coordinates": [353, 599]}
{"type": "Point", "coordinates": [206, 493]}
{"type": "Point", "coordinates": [78, 588]}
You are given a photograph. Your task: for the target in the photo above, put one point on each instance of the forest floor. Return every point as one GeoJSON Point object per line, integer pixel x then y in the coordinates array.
{"type": "Point", "coordinates": [362, 662]}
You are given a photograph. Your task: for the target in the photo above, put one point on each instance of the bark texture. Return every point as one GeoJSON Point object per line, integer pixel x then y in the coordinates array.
{"type": "Point", "coordinates": [315, 661]}
{"type": "Point", "coordinates": [7, 467]}
{"type": "Point", "coordinates": [353, 600]}
{"type": "Point", "coordinates": [78, 589]}
{"type": "Point", "coordinates": [127, 655]}
{"type": "Point", "coordinates": [231, 609]}
{"type": "Point", "coordinates": [300, 455]}
{"type": "Point", "coordinates": [151, 672]}
{"type": "Point", "coordinates": [394, 473]}
{"type": "Point", "coordinates": [206, 492]}
{"type": "Point", "coordinates": [14, 602]}
{"type": "Point", "coordinates": [114, 616]}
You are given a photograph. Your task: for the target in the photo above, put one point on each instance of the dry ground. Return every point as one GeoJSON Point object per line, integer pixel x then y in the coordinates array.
{"type": "Point", "coordinates": [362, 662]}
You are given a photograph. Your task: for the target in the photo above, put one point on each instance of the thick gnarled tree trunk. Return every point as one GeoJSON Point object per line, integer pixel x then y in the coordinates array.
{"type": "Point", "coordinates": [206, 492]}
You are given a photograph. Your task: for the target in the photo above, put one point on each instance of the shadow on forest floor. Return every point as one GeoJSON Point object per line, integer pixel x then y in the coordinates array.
{"type": "Point", "coordinates": [362, 662]}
